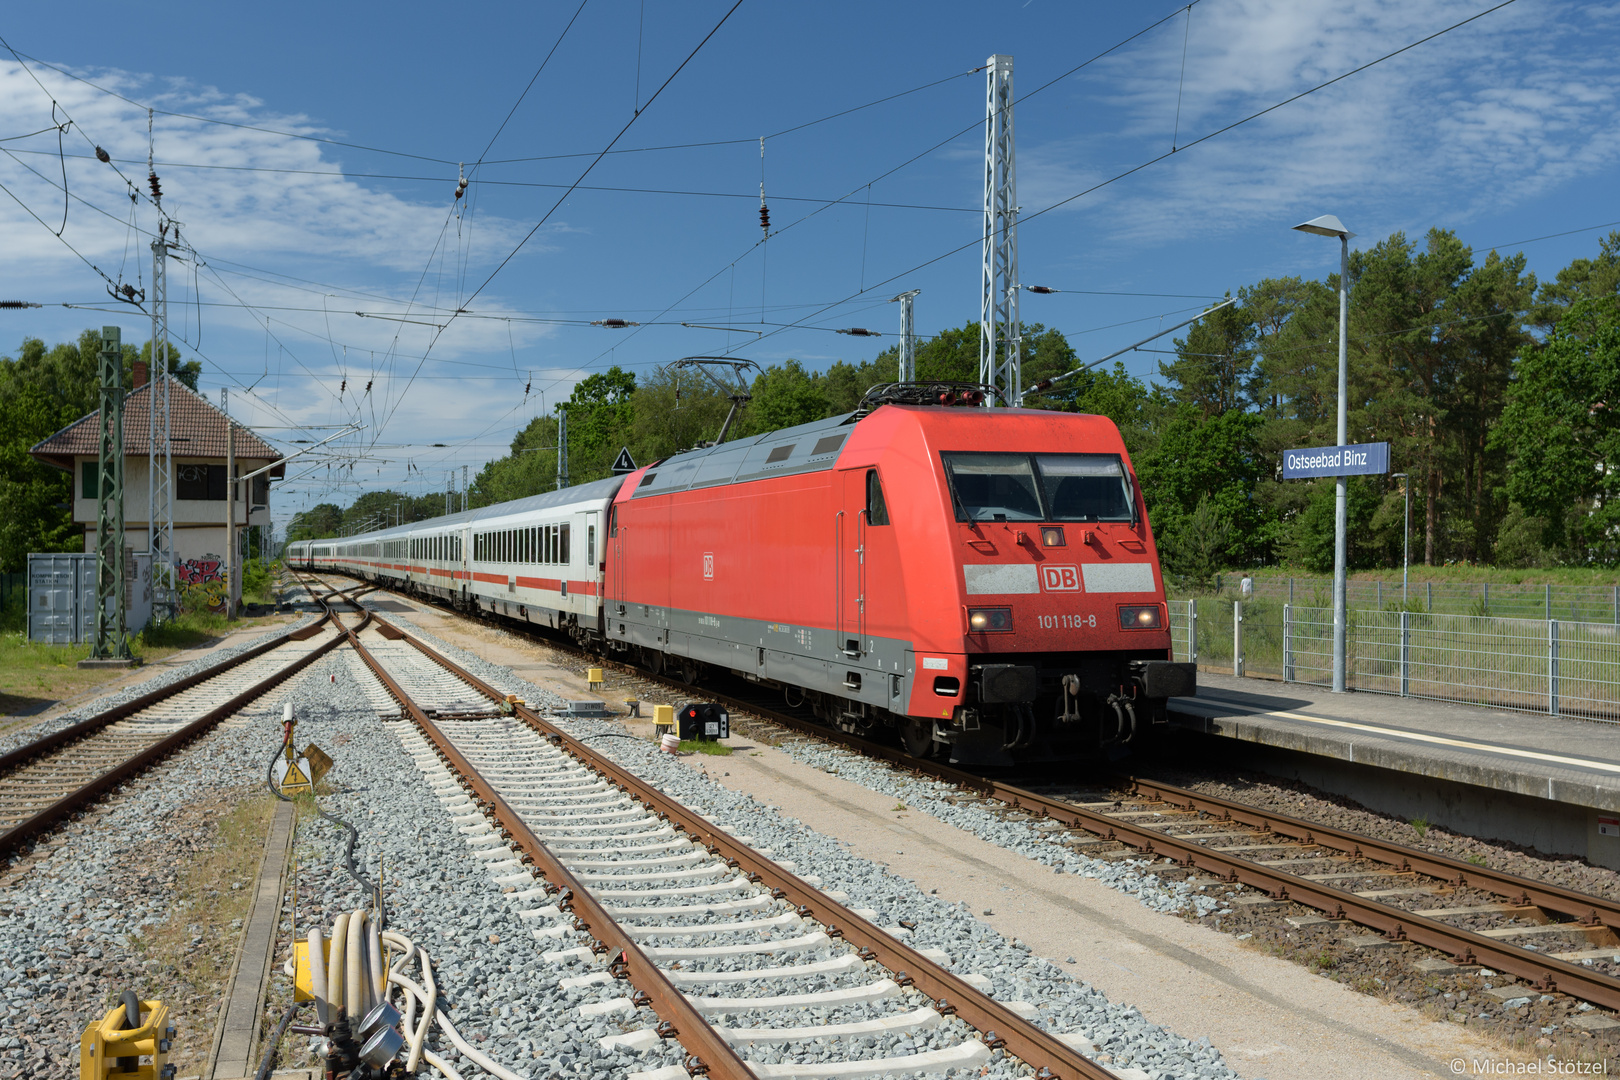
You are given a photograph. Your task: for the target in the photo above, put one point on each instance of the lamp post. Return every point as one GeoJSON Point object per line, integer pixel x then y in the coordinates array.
{"type": "Point", "coordinates": [1406, 529]}
{"type": "Point", "coordinates": [1328, 225]}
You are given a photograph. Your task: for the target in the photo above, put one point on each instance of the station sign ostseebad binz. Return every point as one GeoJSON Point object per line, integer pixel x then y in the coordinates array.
{"type": "Point", "coordinates": [1356, 459]}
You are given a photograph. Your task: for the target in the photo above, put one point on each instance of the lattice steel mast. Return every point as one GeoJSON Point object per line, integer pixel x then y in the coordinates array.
{"type": "Point", "coordinates": [1000, 336]}
{"type": "Point", "coordinates": [159, 462]}
{"type": "Point", "coordinates": [112, 642]}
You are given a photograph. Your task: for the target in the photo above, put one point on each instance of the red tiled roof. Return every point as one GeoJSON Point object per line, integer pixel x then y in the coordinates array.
{"type": "Point", "coordinates": [196, 430]}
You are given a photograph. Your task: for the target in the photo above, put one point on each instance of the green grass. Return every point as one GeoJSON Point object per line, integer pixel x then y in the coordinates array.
{"type": "Point", "coordinates": [189, 629]}
{"type": "Point", "coordinates": [703, 746]}
{"type": "Point", "coordinates": [33, 675]}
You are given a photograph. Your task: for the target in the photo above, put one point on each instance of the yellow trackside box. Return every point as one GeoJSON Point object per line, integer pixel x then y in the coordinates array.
{"type": "Point", "coordinates": [107, 1040]}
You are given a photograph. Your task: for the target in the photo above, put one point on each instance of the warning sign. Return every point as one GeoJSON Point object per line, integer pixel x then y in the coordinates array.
{"type": "Point", "coordinates": [319, 763]}
{"type": "Point", "coordinates": [1608, 826]}
{"type": "Point", "coordinates": [624, 463]}
{"type": "Point", "coordinates": [292, 776]}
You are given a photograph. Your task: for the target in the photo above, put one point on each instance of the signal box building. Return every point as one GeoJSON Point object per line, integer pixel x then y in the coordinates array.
{"type": "Point", "coordinates": [197, 448]}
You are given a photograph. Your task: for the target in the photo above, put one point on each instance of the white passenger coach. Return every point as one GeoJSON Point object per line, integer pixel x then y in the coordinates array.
{"type": "Point", "coordinates": [538, 559]}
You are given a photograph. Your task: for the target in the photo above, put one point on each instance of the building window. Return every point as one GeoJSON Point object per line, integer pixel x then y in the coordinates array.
{"type": "Point", "coordinates": [89, 472]}
{"type": "Point", "coordinates": [200, 483]}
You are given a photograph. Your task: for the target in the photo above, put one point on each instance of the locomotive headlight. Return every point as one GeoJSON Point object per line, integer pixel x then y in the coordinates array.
{"type": "Point", "coordinates": [983, 620]}
{"type": "Point", "coordinates": [1145, 617]}
{"type": "Point", "coordinates": [1052, 536]}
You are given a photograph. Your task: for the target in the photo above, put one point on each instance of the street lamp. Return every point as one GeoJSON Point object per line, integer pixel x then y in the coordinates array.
{"type": "Point", "coordinates": [1328, 225]}
{"type": "Point", "coordinates": [1406, 530]}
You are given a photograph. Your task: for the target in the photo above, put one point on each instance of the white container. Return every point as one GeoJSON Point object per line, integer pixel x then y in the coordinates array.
{"type": "Point", "coordinates": [670, 743]}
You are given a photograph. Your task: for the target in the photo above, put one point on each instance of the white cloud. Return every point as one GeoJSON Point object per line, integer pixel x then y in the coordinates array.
{"type": "Point", "coordinates": [1465, 125]}
{"type": "Point", "coordinates": [257, 206]}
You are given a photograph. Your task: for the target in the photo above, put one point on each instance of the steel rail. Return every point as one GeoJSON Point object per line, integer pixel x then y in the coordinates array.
{"type": "Point", "coordinates": [83, 728]}
{"type": "Point", "coordinates": [1545, 973]}
{"type": "Point", "coordinates": [1590, 911]}
{"type": "Point", "coordinates": [94, 789]}
{"type": "Point", "coordinates": [1465, 947]}
{"type": "Point", "coordinates": [714, 1056]}
{"type": "Point", "coordinates": [1000, 1027]}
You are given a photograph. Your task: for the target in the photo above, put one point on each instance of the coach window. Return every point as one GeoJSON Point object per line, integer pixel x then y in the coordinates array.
{"type": "Point", "coordinates": [590, 546]}
{"type": "Point", "coordinates": [562, 544]}
{"type": "Point", "coordinates": [877, 511]}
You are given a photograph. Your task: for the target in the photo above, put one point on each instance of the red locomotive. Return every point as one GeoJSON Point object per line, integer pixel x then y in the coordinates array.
{"type": "Point", "coordinates": [982, 581]}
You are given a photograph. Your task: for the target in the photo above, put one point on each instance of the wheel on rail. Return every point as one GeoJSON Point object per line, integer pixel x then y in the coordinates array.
{"type": "Point", "coordinates": [917, 736]}
{"type": "Point", "coordinates": [686, 670]}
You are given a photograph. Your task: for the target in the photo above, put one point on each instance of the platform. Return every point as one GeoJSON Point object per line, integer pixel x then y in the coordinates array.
{"type": "Point", "coordinates": [1549, 782]}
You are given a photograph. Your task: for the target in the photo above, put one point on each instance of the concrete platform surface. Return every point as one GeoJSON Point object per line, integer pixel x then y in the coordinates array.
{"type": "Point", "coordinates": [1552, 782]}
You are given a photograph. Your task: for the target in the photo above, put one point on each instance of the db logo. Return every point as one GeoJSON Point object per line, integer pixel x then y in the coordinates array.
{"type": "Point", "coordinates": [708, 566]}
{"type": "Point", "coordinates": [1060, 578]}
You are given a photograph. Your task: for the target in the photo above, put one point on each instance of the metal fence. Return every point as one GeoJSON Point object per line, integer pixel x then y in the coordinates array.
{"type": "Point", "coordinates": [1571, 603]}
{"type": "Point", "coordinates": [1553, 666]}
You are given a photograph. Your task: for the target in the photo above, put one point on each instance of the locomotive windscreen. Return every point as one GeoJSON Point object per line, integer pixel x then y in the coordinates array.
{"type": "Point", "coordinates": [1039, 487]}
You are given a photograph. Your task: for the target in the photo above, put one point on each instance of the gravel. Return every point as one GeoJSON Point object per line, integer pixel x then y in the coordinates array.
{"type": "Point", "coordinates": [439, 893]}
{"type": "Point", "coordinates": [87, 709]}
{"type": "Point", "coordinates": [73, 911]}
{"type": "Point", "coordinates": [1034, 839]}
{"type": "Point", "coordinates": [1122, 1035]}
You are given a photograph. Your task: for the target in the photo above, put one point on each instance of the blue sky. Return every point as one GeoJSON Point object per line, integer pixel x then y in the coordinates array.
{"type": "Point", "coordinates": [1505, 130]}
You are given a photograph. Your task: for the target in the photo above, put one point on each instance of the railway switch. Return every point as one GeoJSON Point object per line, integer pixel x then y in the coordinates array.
{"type": "Point", "coordinates": [118, 1041]}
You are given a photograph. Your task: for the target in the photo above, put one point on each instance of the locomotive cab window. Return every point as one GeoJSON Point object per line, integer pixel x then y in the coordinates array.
{"type": "Point", "coordinates": [877, 510]}
{"type": "Point", "coordinates": [993, 487]}
{"type": "Point", "coordinates": [1039, 487]}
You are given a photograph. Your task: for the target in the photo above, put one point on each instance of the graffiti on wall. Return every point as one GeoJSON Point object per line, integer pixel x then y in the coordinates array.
{"type": "Point", "coordinates": [202, 584]}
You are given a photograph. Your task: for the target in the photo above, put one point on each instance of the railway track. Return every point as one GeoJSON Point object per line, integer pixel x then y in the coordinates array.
{"type": "Point", "coordinates": [46, 781]}
{"type": "Point", "coordinates": [693, 922]}
{"type": "Point", "coordinates": [1556, 939]}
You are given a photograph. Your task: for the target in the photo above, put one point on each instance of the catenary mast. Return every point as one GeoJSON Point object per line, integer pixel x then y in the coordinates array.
{"type": "Point", "coordinates": [1000, 337]}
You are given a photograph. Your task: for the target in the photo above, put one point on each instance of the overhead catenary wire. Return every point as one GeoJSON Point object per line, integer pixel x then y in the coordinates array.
{"type": "Point", "coordinates": [580, 179]}
{"type": "Point", "coordinates": [1115, 178]}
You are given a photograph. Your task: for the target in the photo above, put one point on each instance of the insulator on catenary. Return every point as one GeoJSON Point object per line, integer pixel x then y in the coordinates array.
{"type": "Point", "coordinates": [103, 157]}
{"type": "Point", "coordinates": [344, 385]}
{"type": "Point", "coordinates": [764, 218]}
{"type": "Point", "coordinates": [461, 189]}
{"type": "Point", "coordinates": [152, 182]}
{"type": "Point", "coordinates": [12, 305]}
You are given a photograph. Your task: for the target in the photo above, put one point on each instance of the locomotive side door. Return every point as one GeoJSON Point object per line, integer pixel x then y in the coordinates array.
{"type": "Point", "coordinates": [592, 563]}
{"type": "Point", "coordinates": [850, 526]}
{"type": "Point", "coordinates": [617, 535]}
